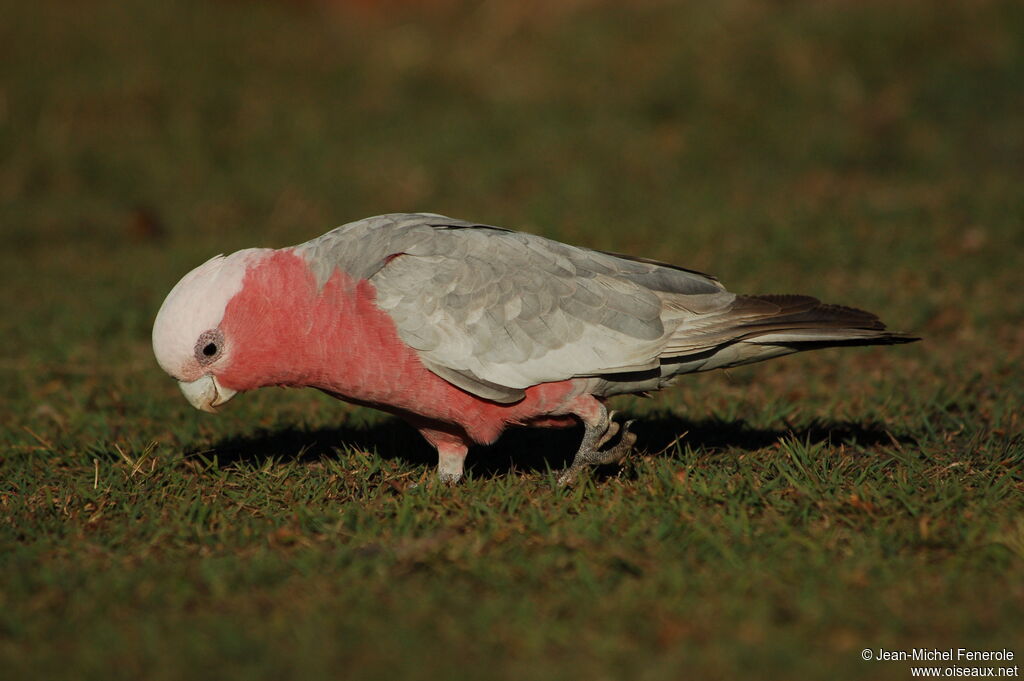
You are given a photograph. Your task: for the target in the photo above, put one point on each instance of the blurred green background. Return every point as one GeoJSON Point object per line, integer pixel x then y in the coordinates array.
{"type": "Point", "coordinates": [869, 153]}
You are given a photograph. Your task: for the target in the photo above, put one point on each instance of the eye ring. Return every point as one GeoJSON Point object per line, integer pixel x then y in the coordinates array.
{"type": "Point", "coordinates": [209, 347]}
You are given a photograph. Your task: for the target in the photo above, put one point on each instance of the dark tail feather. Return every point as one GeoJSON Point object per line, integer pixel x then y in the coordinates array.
{"type": "Point", "coordinates": [805, 323]}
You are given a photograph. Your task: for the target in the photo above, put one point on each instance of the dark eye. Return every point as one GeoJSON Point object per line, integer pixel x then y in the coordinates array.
{"type": "Point", "coordinates": [209, 346]}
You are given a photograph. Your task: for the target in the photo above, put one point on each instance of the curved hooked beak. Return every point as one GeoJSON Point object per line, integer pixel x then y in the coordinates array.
{"type": "Point", "coordinates": [205, 393]}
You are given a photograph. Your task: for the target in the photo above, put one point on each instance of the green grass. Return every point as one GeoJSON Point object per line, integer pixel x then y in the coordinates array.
{"type": "Point", "coordinates": [777, 519]}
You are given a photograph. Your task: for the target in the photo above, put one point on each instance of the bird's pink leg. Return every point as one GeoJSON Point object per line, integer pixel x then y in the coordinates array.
{"type": "Point", "coordinates": [450, 459]}
{"type": "Point", "coordinates": [598, 430]}
{"type": "Point", "coordinates": [451, 454]}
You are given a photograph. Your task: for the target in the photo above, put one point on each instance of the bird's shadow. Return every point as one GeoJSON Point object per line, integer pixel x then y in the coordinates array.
{"type": "Point", "coordinates": [533, 449]}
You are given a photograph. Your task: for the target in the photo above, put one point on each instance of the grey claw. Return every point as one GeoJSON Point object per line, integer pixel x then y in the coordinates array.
{"type": "Point", "coordinates": [620, 449]}
{"type": "Point", "coordinates": [590, 452]}
{"type": "Point", "coordinates": [450, 479]}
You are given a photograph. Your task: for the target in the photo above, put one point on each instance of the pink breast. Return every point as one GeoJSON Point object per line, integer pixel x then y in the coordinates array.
{"type": "Point", "coordinates": [282, 330]}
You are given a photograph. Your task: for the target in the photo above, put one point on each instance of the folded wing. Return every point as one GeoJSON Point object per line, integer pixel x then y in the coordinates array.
{"type": "Point", "coordinates": [495, 311]}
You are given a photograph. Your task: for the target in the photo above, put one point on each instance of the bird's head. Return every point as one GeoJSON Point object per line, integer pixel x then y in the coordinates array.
{"type": "Point", "coordinates": [190, 340]}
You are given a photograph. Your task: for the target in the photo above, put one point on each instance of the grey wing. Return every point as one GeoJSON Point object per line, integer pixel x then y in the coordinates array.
{"type": "Point", "coordinates": [494, 311]}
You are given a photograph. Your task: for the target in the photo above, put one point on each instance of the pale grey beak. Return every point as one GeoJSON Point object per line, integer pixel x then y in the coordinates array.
{"type": "Point", "coordinates": [205, 393]}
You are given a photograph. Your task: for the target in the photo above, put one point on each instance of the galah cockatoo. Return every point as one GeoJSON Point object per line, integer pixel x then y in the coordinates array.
{"type": "Point", "coordinates": [464, 329]}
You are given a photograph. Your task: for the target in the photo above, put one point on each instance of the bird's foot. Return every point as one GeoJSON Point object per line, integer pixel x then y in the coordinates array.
{"type": "Point", "coordinates": [437, 481]}
{"type": "Point", "coordinates": [614, 450]}
{"type": "Point", "coordinates": [605, 442]}
{"type": "Point", "coordinates": [449, 478]}
{"type": "Point", "coordinates": [451, 457]}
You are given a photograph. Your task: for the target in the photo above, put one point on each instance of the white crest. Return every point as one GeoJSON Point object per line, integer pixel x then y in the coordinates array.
{"type": "Point", "coordinates": [196, 304]}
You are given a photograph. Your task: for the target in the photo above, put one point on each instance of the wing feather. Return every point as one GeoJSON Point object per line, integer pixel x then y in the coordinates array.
{"type": "Point", "coordinates": [512, 310]}
{"type": "Point", "coordinates": [494, 311]}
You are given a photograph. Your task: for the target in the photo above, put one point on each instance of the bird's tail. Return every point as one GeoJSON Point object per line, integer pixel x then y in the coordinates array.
{"type": "Point", "coordinates": [799, 320]}
{"type": "Point", "coordinates": [757, 328]}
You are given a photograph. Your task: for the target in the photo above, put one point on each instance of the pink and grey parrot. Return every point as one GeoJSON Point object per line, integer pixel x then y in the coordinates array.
{"type": "Point", "coordinates": [464, 329]}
